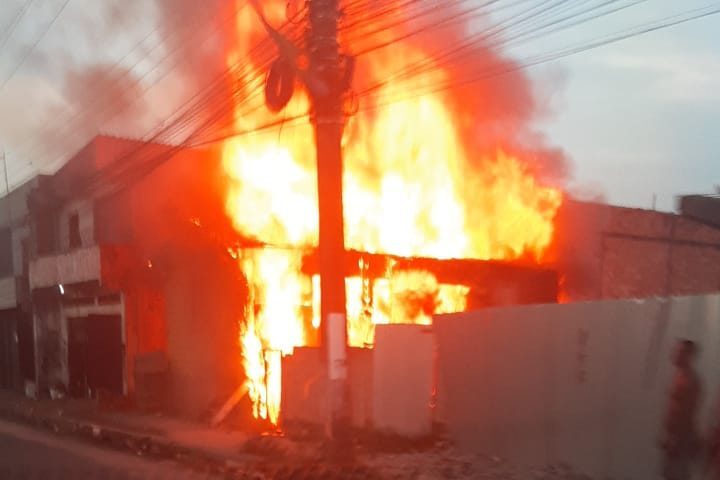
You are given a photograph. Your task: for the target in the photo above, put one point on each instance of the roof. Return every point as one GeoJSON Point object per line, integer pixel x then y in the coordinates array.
{"type": "Point", "coordinates": [703, 208]}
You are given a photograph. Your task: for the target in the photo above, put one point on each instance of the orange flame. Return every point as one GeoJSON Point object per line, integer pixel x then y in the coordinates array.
{"type": "Point", "coordinates": [411, 189]}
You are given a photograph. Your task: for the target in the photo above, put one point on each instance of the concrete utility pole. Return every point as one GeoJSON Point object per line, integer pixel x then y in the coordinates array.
{"type": "Point", "coordinates": [7, 180]}
{"type": "Point", "coordinates": [7, 190]}
{"type": "Point", "coordinates": [325, 69]}
{"type": "Point", "coordinates": [327, 76]}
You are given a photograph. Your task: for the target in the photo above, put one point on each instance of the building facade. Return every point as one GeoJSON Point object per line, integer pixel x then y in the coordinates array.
{"type": "Point", "coordinates": [130, 282]}
{"type": "Point", "coordinates": [16, 333]}
{"type": "Point", "coordinates": [609, 252]}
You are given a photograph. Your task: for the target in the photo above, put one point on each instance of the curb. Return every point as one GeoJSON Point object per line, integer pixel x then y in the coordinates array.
{"type": "Point", "coordinates": [151, 446]}
{"type": "Point", "coordinates": [257, 467]}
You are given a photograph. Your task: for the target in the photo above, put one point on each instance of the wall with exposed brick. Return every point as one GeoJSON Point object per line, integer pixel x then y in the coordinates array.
{"type": "Point", "coordinates": [614, 252]}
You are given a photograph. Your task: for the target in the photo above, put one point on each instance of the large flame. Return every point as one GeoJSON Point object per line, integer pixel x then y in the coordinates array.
{"type": "Point", "coordinates": [411, 189]}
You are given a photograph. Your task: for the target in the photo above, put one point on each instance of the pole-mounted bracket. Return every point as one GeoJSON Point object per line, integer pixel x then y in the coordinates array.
{"type": "Point", "coordinates": [284, 70]}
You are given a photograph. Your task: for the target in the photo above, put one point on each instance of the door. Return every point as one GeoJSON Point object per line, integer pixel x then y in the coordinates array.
{"type": "Point", "coordinates": [26, 346]}
{"type": "Point", "coordinates": [96, 354]}
{"type": "Point", "coordinates": [105, 353]}
{"type": "Point", "coordinates": [8, 351]}
{"type": "Point", "coordinates": [78, 356]}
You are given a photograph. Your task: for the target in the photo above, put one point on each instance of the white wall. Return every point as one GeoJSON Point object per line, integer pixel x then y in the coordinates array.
{"type": "Point", "coordinates": [582, 383]}
{"type": "Point", "coordinates": [78, 266]}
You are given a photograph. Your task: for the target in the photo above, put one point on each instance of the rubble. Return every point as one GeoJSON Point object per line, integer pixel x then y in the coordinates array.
{"type": "Point", "coordinates": [447, 463]}
{"type": "Point", "coordinates": [299, 454]}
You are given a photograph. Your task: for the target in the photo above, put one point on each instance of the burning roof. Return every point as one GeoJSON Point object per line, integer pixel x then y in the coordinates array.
{"type": "Point", "coordinates": [450, 174]}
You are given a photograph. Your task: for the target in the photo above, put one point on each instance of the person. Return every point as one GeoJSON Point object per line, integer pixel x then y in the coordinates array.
{"type": "Point", "coordinates": [680, 441]}
{"type": "Point", "coordinates": [713, 445]}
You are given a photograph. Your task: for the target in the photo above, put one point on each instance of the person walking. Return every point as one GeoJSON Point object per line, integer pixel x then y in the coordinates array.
{"type": "Point", "coordinates": [680, 442]}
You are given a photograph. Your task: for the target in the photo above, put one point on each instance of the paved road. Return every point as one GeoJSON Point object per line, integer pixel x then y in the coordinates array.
{"type": "Point", "coordinates": [33, 454]}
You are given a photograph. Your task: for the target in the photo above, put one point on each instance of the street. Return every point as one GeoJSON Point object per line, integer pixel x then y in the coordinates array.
{"type": "Point", "coordinates": [32, 454]}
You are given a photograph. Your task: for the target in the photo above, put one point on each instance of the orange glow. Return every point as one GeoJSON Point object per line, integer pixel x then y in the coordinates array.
{"type": "Point", "coordinates": [411, 189]}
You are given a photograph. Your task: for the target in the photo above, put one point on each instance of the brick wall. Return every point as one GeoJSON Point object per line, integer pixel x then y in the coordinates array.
{"type": "Point", "coordinates": [615, 252]}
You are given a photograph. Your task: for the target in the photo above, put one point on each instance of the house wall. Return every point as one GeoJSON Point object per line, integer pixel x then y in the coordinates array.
{"type": "Point", "coordinates": [581, 383]}
{"type": "Point", "coordinates": [137, 242]}
{"type": "Point", "coordinates": [204, 301]}
{"type": "Point", "coordinates": [51, 314]}
{"type": "Point", "coordinates": [50, 340]}
{"type": "Point", "coordinates": [145, 327]}
{"type": "Point", "coordinates": [16, 336]}
{"type": "Point", "coordinates": [613, 252]}
{"type": "Point", "coordinates": [78, 266]}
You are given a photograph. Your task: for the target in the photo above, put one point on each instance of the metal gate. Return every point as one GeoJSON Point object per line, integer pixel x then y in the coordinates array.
{"type": "Point", "coordinates": [95, 354]}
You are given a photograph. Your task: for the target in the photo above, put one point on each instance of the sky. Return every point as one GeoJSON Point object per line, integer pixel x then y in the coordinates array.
{"type": "Point", "coordinates": [638, 119]}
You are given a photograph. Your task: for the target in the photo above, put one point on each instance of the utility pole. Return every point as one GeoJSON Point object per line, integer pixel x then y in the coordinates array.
{"type": "Point", "coordinates": [7, 181]}
{"type": "Point", "coordinates": [327, 76]}
{"type": "Point", "coordinates": [7, 190]}
{"type": "Point", "coordinates": [325, 68]}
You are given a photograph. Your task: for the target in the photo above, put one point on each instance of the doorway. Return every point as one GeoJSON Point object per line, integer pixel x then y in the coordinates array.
{"type": "Point", "coordinates": [96, 354]}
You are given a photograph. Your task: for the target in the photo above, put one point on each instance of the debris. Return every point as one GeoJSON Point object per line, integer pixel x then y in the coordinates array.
{"type": "Point", "coordinates": [229, 405]}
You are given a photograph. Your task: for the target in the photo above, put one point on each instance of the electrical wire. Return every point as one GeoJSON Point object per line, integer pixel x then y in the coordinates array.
{"type": "Point", "coordinates": [666, 22]}
{"type": "Point", "coordinates": [15, 22]}
{"type": "Point", "coordinates": [132, 166]}
{"type": "Point", "coordinates": [219, 104]}
{"type": "Point", "coordinates": [25, 57]}
{"type": "Point", "coordinates": [114, 108]}
{"type": "Point", "coordinates": [492, 39]}
{"type": "Point", "coordinates": [68, 124]}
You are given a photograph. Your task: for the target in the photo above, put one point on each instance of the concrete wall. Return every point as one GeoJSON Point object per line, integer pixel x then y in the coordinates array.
{"type": "Point", "coordinates": [203, 304]}
{"type": "Point", "coordinates": [403, 379]}
{"type": "Point", "coordinates": [304, 387]}
{"type": "Point", "coordinates": [581, 383]}
{"type": "Point", "coordinates": [50, 348]}
{"type": "Point", "coordinates": [390, 385]}
{"type": "Point", "coordinates": [78, 266]}
{"type": "Point", "coordinates": [13, 207]}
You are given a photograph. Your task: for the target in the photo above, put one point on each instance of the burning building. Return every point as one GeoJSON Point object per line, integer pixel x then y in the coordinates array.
{"type": "Point", "coordinates": [435, 187]}
{"type": "Point", "coordinates": [128, 281]}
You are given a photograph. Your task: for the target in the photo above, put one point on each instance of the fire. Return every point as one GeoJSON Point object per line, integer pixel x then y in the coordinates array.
{"type": "Point", "coordinates": [412, 188]}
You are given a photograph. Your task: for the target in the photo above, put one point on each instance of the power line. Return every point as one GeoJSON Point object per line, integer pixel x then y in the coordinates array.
{"type": "Point", "coordinates": [463, 16]}
{"type": "Point", "coordinates": [35, 44]}
{"type": "Point", "coordinates": [15, 22]}
{"type": "Point", "coordinates": [177, 121]}
{"type": "Point", "coordinates": [666, 22]}
{"type": "Point", "coordinates": [123, 171]}
{"type": "Point", "coordinates": [484, 39]}
{"type": "Point", "coordinates": [114, 103]}
{"type": "Point", "coordinates": [68, 124]}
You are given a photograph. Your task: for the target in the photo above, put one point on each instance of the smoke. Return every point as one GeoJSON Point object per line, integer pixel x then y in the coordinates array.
{"type": "Point", "coordinates": [117, 68]}
{"type": "Point", "coordinates": [494, 101]}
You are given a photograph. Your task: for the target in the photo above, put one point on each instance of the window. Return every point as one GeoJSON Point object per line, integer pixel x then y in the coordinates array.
{"type": "Point", "coordinates": [45, 233]}
{"type": "Point", "coordinates": [74, 231]}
